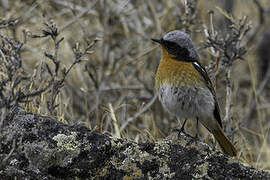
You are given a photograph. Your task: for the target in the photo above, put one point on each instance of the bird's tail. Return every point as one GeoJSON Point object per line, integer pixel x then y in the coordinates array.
{"type": "Point", "coordinates": [225, 144]}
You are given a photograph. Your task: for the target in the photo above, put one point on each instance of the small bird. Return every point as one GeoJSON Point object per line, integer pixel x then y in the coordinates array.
{"type": "Point", "coordinates": [184, 87]}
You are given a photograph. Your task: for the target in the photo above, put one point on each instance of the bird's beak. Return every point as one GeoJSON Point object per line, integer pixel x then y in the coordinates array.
{"type": "Point", "coordinates": [156, 40]}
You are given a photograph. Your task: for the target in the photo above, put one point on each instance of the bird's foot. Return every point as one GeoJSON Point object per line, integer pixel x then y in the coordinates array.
{"type": "Point", "coordinates": [179, 131]}
{"type": "Point", "coordinates": [182, 129]}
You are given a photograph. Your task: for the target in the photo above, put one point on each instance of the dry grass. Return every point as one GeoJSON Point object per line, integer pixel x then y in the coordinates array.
{"type": "Point", "coordinates": [110, 88]}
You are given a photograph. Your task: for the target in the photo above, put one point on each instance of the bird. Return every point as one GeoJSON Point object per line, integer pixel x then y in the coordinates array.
{"type": "Point", "coordinates": [184, 87]}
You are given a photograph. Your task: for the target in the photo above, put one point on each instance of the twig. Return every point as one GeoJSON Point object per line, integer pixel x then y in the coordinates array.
{"type": "Point", "coordinates": [115, 124]}
{"type": "Point", "coordinates": [22, 96]}
{"type": "Point", "coordinates": [9, 23]}
{"type": "Point", "coordinates": [76, 7]}
{"type": "Point", "coordinates": [264, 81]}
{"type": "Point", "coordinates": [227, 48]}
{"type": "Point", "coordinates": [82, 13]}
{"type": "Point", "coordinates": [265, 138]}
{"type": "Point", "coordinates": [260, 89]}
{"type": "Point", "coordinates": [136, 115]}
{"type": "Point", "coordinates": [259, 25]}
{"type": "Point", "coordinates": [154, 15]}
{"type": "Point", "coordinates": [2, 54]}
{"type": "Point", "coordinates": [228, 97]}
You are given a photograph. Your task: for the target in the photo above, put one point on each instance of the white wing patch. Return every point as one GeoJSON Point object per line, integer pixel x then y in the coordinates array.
{"type": "Point", "coordinates": [199, 66]}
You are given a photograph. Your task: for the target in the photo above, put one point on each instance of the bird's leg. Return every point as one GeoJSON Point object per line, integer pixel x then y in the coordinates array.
{"type": "Point", "coordinates": [197, 128]}
{"type": "Point", "coordinates": [196, 138]}
{"type": "Point", "coordinates": [182, 129]}
{"type": "Point", "coordinates": [183, 126]}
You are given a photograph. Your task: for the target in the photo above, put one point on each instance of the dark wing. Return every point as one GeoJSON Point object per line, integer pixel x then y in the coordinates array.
{"type": "Point", "coordinates": [209, 84]}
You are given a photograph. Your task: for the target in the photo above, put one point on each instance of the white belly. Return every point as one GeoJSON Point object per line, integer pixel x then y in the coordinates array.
{"type": "Point", "coordinates": [187, 101]}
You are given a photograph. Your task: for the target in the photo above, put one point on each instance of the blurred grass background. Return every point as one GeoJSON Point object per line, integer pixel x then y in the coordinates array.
{"type": "Point", "coordinates": [111, 90]}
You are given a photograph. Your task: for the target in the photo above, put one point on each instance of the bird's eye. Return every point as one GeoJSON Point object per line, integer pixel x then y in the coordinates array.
{"type": "Point", "coordinates": [171, 47]}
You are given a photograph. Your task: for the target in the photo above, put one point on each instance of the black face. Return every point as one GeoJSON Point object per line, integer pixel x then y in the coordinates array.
{"type": "Point", "coordinates": [180, 53]}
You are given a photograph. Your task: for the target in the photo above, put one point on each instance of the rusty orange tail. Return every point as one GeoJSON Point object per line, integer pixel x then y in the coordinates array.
{"type": "Point", "coordinates": [225, 144]}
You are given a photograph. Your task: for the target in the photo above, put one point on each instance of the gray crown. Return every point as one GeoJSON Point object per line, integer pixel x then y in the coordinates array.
{"type": "Point", "coordinates": [183, 40]}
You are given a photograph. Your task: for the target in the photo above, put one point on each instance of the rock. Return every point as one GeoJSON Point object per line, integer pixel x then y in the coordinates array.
{"type": "Point", "coordinates": [39, 147]}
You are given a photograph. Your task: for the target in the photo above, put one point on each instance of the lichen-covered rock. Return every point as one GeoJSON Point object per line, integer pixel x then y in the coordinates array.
{"type": "Point", "coordinates": [38, 147]}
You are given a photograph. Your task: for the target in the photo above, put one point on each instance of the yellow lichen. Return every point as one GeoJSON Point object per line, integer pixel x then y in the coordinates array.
{"type": "Point", "coordinates": [67, 142]}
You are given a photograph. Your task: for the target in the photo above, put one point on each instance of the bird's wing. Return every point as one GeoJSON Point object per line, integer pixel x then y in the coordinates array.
{"type": "Point", "coordinates": [209, 84]}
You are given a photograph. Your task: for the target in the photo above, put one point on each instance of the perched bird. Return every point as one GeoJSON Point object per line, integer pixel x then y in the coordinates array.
{"type": "Point", "coordinates": [184, 87]}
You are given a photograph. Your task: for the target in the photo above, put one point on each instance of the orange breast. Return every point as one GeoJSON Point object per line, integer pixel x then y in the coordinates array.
{"type": "Point", "coordinates": [176, 73]}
